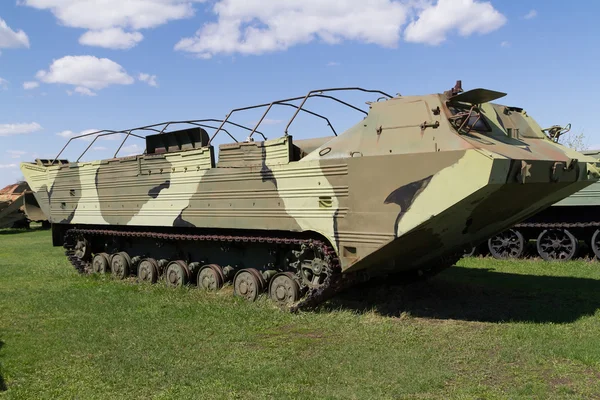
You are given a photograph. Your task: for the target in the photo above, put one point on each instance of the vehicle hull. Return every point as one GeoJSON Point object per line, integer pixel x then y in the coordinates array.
{"type": "Point", "coordinates": [413, 215]}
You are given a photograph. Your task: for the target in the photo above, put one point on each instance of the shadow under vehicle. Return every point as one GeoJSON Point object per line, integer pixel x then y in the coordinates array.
{"type": "Point", "coordinates": [476, 294]}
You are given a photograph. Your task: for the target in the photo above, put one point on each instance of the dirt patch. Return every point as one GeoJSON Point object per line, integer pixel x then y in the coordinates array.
{"type": "Point", "coordinates": [306, 341]}
{"type": "Point", "coordinates": [294, 331]}
{"type": "Point", "coordinates": [559, 381]}
{"type": "Point", "coordinates": [504, 376]}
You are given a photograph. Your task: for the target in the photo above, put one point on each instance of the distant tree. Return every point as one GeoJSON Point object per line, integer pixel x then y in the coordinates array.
{"type": "Point", "coordinates": [576, 141]}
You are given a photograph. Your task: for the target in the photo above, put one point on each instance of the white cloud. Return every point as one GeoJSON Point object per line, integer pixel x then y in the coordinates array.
{"type": "Point", "coordinates": [117, 136]}
{"type": "Point", "coordinates": [66, 134]}
{"type": "Point", "coordinates": [258, 26]}
{"type": "Point", "coordinates": [84, 91]}
{"type": "Point", "coordinates": [435, 22]}
{"type": "Point", "coordinates": [85, 73]}
{"type": "Point", "coordinates": [16, 153]}
{"type": "Point", "coordinates": [111, 38]}
{"type": "Point", "coordinates": [19, 129]}
{"type": "Point", "coordinates": [149, 79]}
{"type": "Point", "coordinates": [108, 20]}
{"type": "Point", "coordinates": [7, 166]}
{"type": "Point", "coordinates": [69, 134]}
{"type": "Point", "coordinates": [11, 39]}
{"type": "Point", "coordinates": [30, 85]}
{"type": "Point", "coordinates": [3, 84]}
{"type": "Point", "coordinates": [130, 150]}
{"type": "Point", "coordinates": [505, 44]}
{"type": "Point", "coordinates": [531, 14]}
{"type": "Point", "coordinates": [99, 148]}
{"type": "Point", "coordinates": [333, 64]}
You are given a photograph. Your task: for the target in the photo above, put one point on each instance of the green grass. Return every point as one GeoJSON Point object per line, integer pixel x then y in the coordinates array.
{"type": "Point", "coordinates": [485, 329]}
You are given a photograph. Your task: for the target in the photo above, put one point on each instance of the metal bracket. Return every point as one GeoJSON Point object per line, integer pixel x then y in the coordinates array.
{"type": "Point", "coordinates": [557, 169]}
{"type": "Point", "coordinates": [433, 125]}
{"type": "Point", "coordinates": [525, 172]}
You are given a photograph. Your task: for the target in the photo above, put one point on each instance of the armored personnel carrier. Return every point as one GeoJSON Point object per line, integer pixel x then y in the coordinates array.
{"type": "Point", "coordinates": [400, 193]}
{"type": "Point", "coordinates": [558, 231]}
{"type": "Point", "coordinates": [18, 207]}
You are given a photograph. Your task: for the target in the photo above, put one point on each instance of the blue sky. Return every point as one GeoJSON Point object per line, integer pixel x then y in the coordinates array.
{"type": "Point", "coordinates": [67, 66]}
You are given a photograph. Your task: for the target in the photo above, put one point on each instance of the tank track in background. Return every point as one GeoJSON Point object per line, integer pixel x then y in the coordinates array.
{"type": "Point", "coordinates": [574, 233]}
{"type": "Point", "coordinates": [334, 283]}
{"type": "Point", "coordinates": [558, 225]}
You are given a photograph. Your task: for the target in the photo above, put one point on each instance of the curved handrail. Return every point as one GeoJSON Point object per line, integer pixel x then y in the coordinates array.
{"type": "Point", "coordinates": [320, 91]}
{"type": "Point", "coordinates": [312, 93]}
{"type": "Point", "coordinates": [108, 132]}
{"type": "Point", "coordinates": [94, 141]}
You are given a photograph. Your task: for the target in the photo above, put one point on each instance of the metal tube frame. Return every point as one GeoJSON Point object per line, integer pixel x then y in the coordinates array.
{"type": "Point", "coordinates": [321, 91]}
{"type": "Point", "coordinates": [284, 102]}
{"type": "Point", "coordinates": [104, 132]}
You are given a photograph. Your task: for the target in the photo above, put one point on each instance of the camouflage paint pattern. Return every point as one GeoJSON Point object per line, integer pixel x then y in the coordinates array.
{"type": "Point", "coordinates": [397, 191]}
{"type": "Point", "coordinates": [589, 196]}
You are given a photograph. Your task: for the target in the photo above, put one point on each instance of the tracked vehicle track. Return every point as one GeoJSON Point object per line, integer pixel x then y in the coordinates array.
{"type": "Point", "coordinates": [557, 225]}
{"type": "Point", "coordinates": [555, 241]}
{"type": "Point", "coordinates": [335, 281]}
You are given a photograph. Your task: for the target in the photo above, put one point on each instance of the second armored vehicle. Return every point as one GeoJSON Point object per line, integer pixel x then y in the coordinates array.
{"type": "Point", "coordinates": [558, 231]}
{"type": "Point", "coordinates": [18, 207]}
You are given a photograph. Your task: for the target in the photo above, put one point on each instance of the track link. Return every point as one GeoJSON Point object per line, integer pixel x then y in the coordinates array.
{"type": "Point", "coordinates": [335, 281]}
{"type": "Point", "coordinates": [558, 225]}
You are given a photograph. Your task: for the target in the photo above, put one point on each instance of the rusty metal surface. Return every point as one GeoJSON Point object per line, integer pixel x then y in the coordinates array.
{"type": "Point", "coordinates": [12, 192]}
{"type": "Point", "coordinates": [18, 206]}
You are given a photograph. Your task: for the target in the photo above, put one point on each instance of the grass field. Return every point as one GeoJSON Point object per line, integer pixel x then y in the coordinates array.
{"type": "Point", "coordinates": [484, 329]}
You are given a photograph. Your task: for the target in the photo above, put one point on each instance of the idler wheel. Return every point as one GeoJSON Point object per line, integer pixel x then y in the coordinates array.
{"type": "Point", "coordinates": [507, 245]}
{"type": "Point", "coordinates": [284, 288]}
{"type": "Point", "coordinates": [83, 250]}
{"type": "Point", "coordinates": [469, 251]}
{"type": "Point", "coordinates": [177, 274]}
{"type": "Point", "coordinates": [148, 270]}
{"type": "Point", "coordinates": [248, 283]}
{"type": "Point", "coordinates": [210, 277]}
{"type": "Point", "coordinates": [101, 263]}
{"type": "Point", "coordinates": [120, 264]}
{"type": "Point", "coordinates": [556, 245]}
{"type": "Point", "coordinates": [596, 243]}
